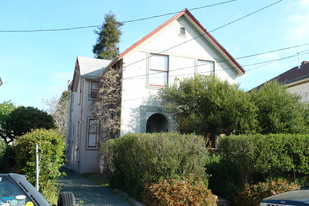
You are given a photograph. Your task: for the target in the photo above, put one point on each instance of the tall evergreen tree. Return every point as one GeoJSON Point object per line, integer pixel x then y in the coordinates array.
{"type": "Point", "coordinates": [108, 39]}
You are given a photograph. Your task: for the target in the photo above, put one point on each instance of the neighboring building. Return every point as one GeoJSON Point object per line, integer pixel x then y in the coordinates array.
{"type": "Point", "coordinates": [179, 48]}
{"type": "Point", "coordinates": [81, 142]}
{"type": "Point", "coordinates": [296, 80]}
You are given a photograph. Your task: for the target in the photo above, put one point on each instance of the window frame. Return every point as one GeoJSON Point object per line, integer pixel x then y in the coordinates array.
{"type": "Point", "coordinates": [208, 61]}
{"type": "Point", "coordinates": [88, 129]}
{"type": "Point", "coordinates": [91, 89]}
{"type": "Point", "coordinates": [166, 72]}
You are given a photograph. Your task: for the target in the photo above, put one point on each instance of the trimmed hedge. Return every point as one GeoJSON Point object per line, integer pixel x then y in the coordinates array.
{"type": "Point", "coordinates": [51, 153]}
{"type": "Point", "coordinates": [5, 157]}
{"type": "Point", "coordinates": [140, 159]}
{"type": "Point", "coordinates": [252, 158]}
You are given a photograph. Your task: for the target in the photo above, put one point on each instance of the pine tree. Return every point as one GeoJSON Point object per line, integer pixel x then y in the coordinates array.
{"type": "Point", "coordinates": [109, 38]}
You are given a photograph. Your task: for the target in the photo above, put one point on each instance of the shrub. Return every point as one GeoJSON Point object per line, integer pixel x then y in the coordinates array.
{"type": "Point", "coordinates": [3, 156]}
{"type": "Point", "coordinates": [138, 159]}
{"type": "Point", "coordinates": [173, 192]}
{"type": "Point", "coordinates": [51, 152]}
{"type": "Point", "coordinates": [253, 194]}
{"type": "Point", "coordinates": [254, 158]}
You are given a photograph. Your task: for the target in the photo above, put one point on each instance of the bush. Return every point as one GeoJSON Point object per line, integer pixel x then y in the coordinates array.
{"type": "Point", "coordinates": [51, 153]}
{"type": "Point", "coordinates": [253, 194]}
{"type": "Point", "coordinates": [3, 156]}
{"type": "Point", "coordinates": [173, 192]}
{"type": "Point", "coordinates": [255, 158]}
{"type": "Point", "coordinates": [138, 159]}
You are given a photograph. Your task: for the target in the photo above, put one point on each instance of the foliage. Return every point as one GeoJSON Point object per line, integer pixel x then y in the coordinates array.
{"type": "Point", "coordinates": [109, 38]}
{"type": "Point", "coordinates": [58, 108]}
{"type": "Point", "coordinates": [223, 180]}
{"type": "Point", "coordinates": [279, 111]}
{"type": "Point", "coordinates": [252, 194]}
{"type": "Point", "coordinates": [255, 158]}
{"type": "Point", "coordinates": [51, 152]}
{"type": "Point", "coordinates": [5, 128]}
{"type": "Point", "coordinates": [207, 105]}
{"type": "Point", "coordinates": [138, 159]}
{"type": "Point", "coordinates": [21, 120]}
{"type": "Point", "coordinates": [107, 107]}
{"type": "Point", "coordinates": [190, 190]}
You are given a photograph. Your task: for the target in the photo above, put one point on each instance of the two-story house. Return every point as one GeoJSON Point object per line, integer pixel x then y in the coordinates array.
{"type": "Point", "coordinates": [179, 48]}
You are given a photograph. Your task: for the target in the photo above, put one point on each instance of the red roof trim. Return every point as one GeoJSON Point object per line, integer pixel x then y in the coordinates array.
{"type": "Point", "coordinates": [214, 40]}
{"type": "Point", "coordinates": [187, 12]}
{"type": "Point", "coordinates": [152, 33]}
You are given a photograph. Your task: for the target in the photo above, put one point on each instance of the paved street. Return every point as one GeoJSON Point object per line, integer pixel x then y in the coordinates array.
{"type": "Point", "coordinates": [88, 193]}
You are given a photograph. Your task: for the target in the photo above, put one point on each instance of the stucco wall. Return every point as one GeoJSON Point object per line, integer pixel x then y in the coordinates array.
{"type": "Point", "coordinates": [302, 90]}
{"type": "Point", "coordinates": [136, 93]}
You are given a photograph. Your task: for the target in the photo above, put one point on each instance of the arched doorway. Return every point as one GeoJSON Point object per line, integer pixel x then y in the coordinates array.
{"type": "Point", "coordinates": [156, 123]}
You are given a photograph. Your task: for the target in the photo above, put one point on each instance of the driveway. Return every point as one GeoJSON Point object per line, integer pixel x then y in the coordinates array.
{"type": "Point", "coordinates": [88, 193]}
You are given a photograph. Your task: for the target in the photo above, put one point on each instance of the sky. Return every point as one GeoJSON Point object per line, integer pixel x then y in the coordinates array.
{"type": "Point", "coordinates": [35, 67]}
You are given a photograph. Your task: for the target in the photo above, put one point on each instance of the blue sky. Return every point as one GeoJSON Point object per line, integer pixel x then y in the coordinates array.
{"type": "Point", "coordinates": [36, 66]}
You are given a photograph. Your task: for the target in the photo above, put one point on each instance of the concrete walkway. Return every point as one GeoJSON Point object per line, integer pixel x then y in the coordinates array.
{"type": "Point", "coordinates": [88, 193]}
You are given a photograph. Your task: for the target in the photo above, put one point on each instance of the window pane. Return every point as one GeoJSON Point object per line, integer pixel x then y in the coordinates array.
{"type": "Point", "coordinates": [92, 133]}
{"type": "Point", "coordinates": [92, 126]}
{"type": "Point", "coordinates": [92, 141]}
{"type": "Point", "coordinates": [159, 62]}
{"type": "Point", "coordinates": [205, 67]}
{"type": "Point", "coordinates": [157, 78]}
{"type": "Point", "coordinates": [94, 89]}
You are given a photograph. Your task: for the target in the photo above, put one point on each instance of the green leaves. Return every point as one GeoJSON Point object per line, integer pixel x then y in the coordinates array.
{"type": "Point", "coordinates": [51, 152]}
{"type": "Point", "coordinates": [279, 111]}
{"type": "Point", "coordinates": [109, 38]}
{"type": "Point", "coordinates": [207, 105]}
{"type": "Point", "coordinates": [137, 159]}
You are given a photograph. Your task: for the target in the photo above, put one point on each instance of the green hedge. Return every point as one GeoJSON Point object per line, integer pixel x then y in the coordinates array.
{"type": "Point", "coordinates": [253, 158]}
{"type": "Point", "coordinates": [51, 152]}
{"type": "Point", "coordinates": [5, 157]}
{"type": "Point", "coordinates": [139, 159]}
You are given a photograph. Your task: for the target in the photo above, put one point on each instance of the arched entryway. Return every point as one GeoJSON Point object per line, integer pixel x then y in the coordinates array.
{"type": "Point", "coordinates": [157, 123]}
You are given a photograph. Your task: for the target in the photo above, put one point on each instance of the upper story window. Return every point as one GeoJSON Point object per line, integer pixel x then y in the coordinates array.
{"type": "Point", "coordinates": [205, 67]}
{"type": "Point", "coordinates": [182, 31]}
{"type": "Point", "coordinates": [94, 87]}
{"type": "Point", "coordinates": [158, 70]}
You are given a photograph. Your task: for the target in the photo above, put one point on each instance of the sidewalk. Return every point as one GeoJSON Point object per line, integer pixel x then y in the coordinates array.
{"type": "Point", "coordinates": [88, 193]}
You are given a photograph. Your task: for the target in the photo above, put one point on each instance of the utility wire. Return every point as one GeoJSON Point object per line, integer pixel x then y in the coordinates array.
{"type": "Point", "coordinates": [242, 57]}
{"type": "Point", "coordinates": [124, 22]}
{"type": "Point", "coordinates": [220, 27]}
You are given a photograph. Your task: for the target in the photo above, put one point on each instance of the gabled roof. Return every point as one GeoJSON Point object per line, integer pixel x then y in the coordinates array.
{"type": "Point", "coordinates": [295, 74]}
{"type": "Point", "coordinates": [91, 67]}
{"type": "Point", "coordinates": [204, 32]}
{"type": "Point", "coordinates": [292, 77]}
{"type": "Point", "coordinates": [88, 68]}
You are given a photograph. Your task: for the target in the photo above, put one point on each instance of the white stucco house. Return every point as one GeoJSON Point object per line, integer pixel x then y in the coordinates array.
{"type": "Point", "coordinates": [297, 80]}
{"type": "Point", "coordinates": [179, 48]}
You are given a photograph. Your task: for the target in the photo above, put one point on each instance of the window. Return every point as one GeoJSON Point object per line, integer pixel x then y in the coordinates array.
{"type": "Point", "coordinates": [158, 70]}
{"type": "Point", "coordinates": [182, 31]}
{"type": "Point", "coordinates": [205, 67]}
{"type": "Point", "coordinates": [94, 87]}
{"type": "Point", "coordinates": [92, 134]}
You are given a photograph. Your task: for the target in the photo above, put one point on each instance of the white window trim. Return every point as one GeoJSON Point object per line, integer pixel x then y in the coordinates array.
{"type": "Point", "coordinates": [204, 60]}
{"type": "Point", "coordinates": [149, 69]}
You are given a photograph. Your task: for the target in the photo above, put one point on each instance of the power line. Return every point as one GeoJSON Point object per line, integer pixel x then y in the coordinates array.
{"type": "Point", "coordinates": [220, 27]}
{"type": "Point", "coordinates": [242, 57]}
{"type": "Point", "coordinates": [124, 22]}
